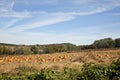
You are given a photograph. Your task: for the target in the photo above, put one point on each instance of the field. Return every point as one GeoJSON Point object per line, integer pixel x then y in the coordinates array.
{"type": "Point", "coordinates": [22, 67]}
{"type": "Point", "coordinates": [10, 63]}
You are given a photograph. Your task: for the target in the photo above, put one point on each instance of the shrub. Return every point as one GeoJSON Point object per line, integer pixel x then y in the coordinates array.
{"type": "Point", "coordinates": [47, 74]}
{"type": "Point", "coordinates": [93, 72]}
{"type": "Point", "coordinates": [53, 74]}
{"type": "Point", "coordinates": [114, 70]}
{"type": "Point", "coordinates": [100, 72]}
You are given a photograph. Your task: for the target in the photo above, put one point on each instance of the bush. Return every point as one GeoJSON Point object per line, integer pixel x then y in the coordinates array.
{"type": "Point", "coordinates": [100, 72]}
{"type": "Point", "coordinates": [53, 74]}
{"type": "Point", "coordinates": [35, 49]}
{"type": "Point", "coordinates": [93, 72]}
{"type": "Point", "coordinates": [114, 70]}
{"type": "Point", "coordinates": [47, 74]}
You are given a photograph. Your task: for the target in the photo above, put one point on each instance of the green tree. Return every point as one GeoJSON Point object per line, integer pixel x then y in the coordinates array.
{"type": "Point", "coordinates": [1, 50]}
{"type": "Point", "coordinates": [5, 50]}
{"type": "Point", "coordinates": [35, 49]}
{"type": "Point", "coordinates": [104, 43]}
{"type": "Point", "coordinates": [19, 51]}
{"type": "Point", "coordinates": [117, 42]}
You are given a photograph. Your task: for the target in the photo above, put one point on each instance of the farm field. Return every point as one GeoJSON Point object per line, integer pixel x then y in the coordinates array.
{"type": "Point", "coordinates": [9, 63]}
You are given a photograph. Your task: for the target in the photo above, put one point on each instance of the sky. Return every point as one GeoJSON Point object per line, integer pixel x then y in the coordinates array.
{"type": "Point", "coordinates": [80, 22]}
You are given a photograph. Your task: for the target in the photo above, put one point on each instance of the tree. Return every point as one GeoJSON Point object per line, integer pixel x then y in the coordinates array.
{"type": "Point", "coordinates": [104, 43]}
{"type": "Point", "coordinates": [5, 50]}
{"type": "Point", "coordinates": [92, 46]}
{"type": "Point", "coordinates": [117, 42]}
{"type": "Point", "coordinates": [35, 49]}
{"type": "Point", "coordinates": [19, 51]}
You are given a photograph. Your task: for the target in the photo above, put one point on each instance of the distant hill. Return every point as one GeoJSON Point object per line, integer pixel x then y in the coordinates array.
{"type": "Point", "coordinates": [6, 48]}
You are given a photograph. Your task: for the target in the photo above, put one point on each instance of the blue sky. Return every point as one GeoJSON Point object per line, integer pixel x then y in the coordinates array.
{"type": "Point", "coordinates": [58, 21]}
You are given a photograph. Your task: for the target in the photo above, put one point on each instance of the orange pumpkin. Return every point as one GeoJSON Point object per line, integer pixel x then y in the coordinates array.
{"type": "Point", "coordinates": [54, 59]}
{"type": "Point", "coordinates": [43, 60]}
{"type": "Point", "coordinates": [1, 61]}
{"type": "Point", "coordinates": [9, 60]}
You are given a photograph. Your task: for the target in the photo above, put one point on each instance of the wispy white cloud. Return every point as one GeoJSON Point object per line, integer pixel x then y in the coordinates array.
{"type": "Point", "coordinates": [96, 6]}
{"type": "Point", "coordinates": [37, 2]}
{"type": "Point", "coordinates": [9, 23]}
{"type": "Point", "coordinates": [88, 7]}
{"type": "Point", "coordinates": [25, 38]}
{"type": "Point", "coordinates": [15, 33]}
{"type": "Point", "coordinates": [6, 10]}
{"type": "Point", "coordinates": [12, 14]}
{"type": "Point", "coordinates": [95, 11]}
{"type": "Point", "coordinates": [40, 23]}
{"type": "Point", "coordinates": [57, 17]}
{"type": "Point", "coordinates": [6, 6]}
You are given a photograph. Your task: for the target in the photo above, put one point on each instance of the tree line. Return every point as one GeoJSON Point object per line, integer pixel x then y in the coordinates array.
{"type": "Point", "coordinates": [10, 49]}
